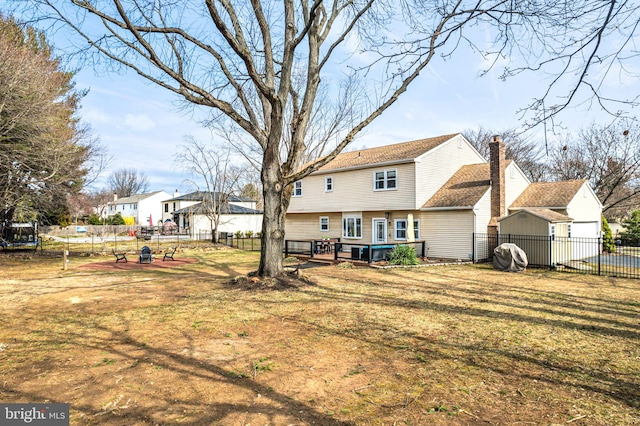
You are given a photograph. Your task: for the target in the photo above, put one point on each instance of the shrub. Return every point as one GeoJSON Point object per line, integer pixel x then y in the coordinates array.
{"type": "Point", "coordinates": [238, 234]}
{"type": "Point", "coordinates": [403, 255]}
{"type": "Point", "coordinates": [607, 237]}
{"type": "Point", "coordinates": [94, 219]}
{"type": "Point", "coordinates": [117, 219]}
{"type": "Point", "coordinates": [248, 234]}
{"type": "Point", "coordinates": [631, 234]}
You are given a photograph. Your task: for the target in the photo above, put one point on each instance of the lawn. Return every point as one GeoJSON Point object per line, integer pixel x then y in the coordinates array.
{"type": "Point", "coordinates": [436, 345]}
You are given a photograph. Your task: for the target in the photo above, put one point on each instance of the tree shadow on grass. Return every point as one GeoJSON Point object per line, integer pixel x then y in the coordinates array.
{"type": "Point", "coordinates": [168, 407]}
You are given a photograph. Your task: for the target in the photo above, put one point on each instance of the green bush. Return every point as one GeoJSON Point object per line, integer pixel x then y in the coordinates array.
{"type": "Point", "coordinates": [94, 219]}
{"type": "Point", "coordinates": [631, 234]}
{"type": "Point", "coordinates": [248, 234]}
{"type": "Point", "coordinates": [117, 219]}
{"type": "Point", "coordinates": [607, 237]}
{"type": "Point", "coordinates": [403, 255]}
{"type": "Point", "coordinates": [238, 234]}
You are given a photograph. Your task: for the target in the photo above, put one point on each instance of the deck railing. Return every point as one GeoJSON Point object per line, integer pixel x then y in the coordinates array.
{"type": "Point", "coordinates": [346, 251]}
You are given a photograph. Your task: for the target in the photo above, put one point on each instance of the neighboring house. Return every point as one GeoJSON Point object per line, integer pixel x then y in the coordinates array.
{"type": "Point", "coordinates": [442, 184]}
{"type": "Point", "coordinates": [143, 207]}
{"type": "Point", "coordinates": [238, 214]}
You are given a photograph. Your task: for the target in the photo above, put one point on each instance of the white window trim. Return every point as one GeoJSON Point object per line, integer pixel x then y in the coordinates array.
{"type": "Point", "coordinates": [324, 230]}
{"type": "Point", "coordinates": [416, 229]}
{"type": "Point", "coordinates": [395, 229]}
{"type": "Point", "coordinates": [297, 184]}
{"type": "Point", "coordinates": [344, 227]}
{"type": "Point", "coordinates": [385, 180]}
{"type": "Point", "coordinates": [326, 180]}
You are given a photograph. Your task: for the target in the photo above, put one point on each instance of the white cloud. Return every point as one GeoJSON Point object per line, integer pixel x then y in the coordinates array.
{"type": "Point", "coordinates": [139, 122]}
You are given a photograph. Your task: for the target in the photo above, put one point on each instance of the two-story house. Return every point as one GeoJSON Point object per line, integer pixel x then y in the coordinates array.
{"type": "Point", "coordinates": [189, 213]}
{"type": "Point", "coordinates": [442, 185]}
{"type": "Point", "coordinates": [144, 208]}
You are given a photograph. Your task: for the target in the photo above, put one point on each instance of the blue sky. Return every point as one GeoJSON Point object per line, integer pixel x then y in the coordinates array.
{"type": "Point", "coordinates": [142, 125]}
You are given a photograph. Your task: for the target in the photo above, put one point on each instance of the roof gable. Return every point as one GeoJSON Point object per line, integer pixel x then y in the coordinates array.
{"type": "Point", "coordinates": [394, 153]}
{"type": "Point", "coordinates": [548, 194]}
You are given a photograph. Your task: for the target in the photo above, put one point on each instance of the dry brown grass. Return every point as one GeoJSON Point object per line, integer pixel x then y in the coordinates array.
{"type": "Point", "coordinates": [439, 345]}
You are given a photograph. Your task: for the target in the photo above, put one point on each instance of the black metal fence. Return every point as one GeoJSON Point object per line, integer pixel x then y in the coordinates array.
{"type": "Point", "coordinates": [249, 244]}
{"type": "Point", "coordinates": [574, 254]}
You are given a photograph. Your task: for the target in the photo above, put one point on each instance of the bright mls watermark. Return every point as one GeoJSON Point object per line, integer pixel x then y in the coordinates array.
{"type": "Point", "coordinates": [34, 414]}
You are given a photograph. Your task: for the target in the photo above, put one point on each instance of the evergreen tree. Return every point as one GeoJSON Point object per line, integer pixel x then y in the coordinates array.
{"type": "Point", "coordinates": [43, 148]}
{"type": "Point", "coordinates": [631, 234]}
{"type": "Point", "coordinates": [607, 238]}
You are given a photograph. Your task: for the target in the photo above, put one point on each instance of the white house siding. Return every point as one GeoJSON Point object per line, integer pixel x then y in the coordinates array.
{"type": "Point", "coordinates": [482, 212]}
{"type": "Point", "coordinates": [151, 206]}
{"type": "Point", "coordinates": [515, 183]}
{"type": "Point", "coordinates": [227, 223]}
{"type": "Point", "coordinates": [586, 211]}
{"type": "Point", "coordinates": [437, 166]}
{"type": "Point", "coordinates": [306, 226]}
{"type": "Point", "coordinates": [448, 233]}
{"type": "Point", "coordinates": [353, 191]}
{"type": "Point", "coordinates": [585, 208]}
{"type": "Point", "coordinates": [179, 204]}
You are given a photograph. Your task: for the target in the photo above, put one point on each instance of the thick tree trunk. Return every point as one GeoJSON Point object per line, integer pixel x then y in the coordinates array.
{"type": "Point", "coordinates": [273, 218]}
{"type": "Point", "coordinates": [272, 241]}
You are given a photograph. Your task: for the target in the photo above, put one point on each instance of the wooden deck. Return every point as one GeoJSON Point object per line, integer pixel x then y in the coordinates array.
{"type": "Point", "coordinates": [329, 259]}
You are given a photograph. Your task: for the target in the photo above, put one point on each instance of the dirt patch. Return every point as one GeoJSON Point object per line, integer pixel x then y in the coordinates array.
{"type": "Point", "coordinates": [134, 265]}
{"type": "Point", "coordinates": [287, 281]}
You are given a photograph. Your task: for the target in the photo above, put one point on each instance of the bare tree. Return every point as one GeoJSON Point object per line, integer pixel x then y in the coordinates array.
{"type": "Point", "coordinates": [79, 205]}
{"type": "Point", "coordinates": [607, 155]}
{"type": "Point", "coordinates": [127, 182]}
{"type": "Point", "coordinates": [267, 70]}
{"type": "Point", "coordinates": [215, 177]}
{"type": "Point", "coordinates": [99, 199]}
{"type": "Point", "coordinates": [528, 153]}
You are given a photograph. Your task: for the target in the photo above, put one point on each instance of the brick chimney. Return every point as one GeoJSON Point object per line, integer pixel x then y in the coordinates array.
{"type": "Point", "coordinates": [496, 167]}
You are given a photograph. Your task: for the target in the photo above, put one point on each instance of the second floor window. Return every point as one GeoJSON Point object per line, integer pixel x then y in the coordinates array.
{"type": "Point", "coordinates": [328, 184]}
{"type": "Point", "coordinates": [297, 188]}
{"type": "Point", "coordinates": [385, 180]}
{"type": "Point", "coordinates": [166, 208]}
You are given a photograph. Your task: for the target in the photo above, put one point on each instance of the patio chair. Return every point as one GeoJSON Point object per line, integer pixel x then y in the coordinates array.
{"type": "Point", "coordinates": [120, 256]}
{"type": "Point", "coordinates": [169, 254]}
{"type": "Point", "coordinates": [145, 255]}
